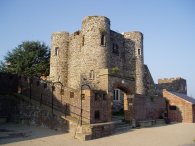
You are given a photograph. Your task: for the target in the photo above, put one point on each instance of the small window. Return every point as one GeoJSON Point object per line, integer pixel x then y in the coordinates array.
{"type": "Point", "coordinates": [10, 77]}
{"type": "Point", "coordinates": [56, 51]}
{"type": "Point", "coordinates": [83, 40]}
{"type": "Point", "coordinates": [103, 39]}
{"type": "Point", "coordinates": [97, 115]}
{"type": "Point", "coordinates": [71, 94]}
{"type": "Point", "coordinates": [91, 75]}
{"type": "Point", "coordinates": [139, 51]}
{"type": "Point", "coordinates": [172, 107]}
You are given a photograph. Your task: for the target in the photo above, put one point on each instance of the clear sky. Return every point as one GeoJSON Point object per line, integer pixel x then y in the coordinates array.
{"type": "Point", "coordinates": [168, 27]}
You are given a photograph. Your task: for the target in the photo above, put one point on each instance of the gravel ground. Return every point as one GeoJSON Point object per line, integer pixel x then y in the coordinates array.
{"type": "Point", "coordinates": [179, 134]}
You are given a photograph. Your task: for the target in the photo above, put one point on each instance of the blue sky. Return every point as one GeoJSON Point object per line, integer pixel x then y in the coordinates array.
{"type": "Point", "coordinates": [168, 27]}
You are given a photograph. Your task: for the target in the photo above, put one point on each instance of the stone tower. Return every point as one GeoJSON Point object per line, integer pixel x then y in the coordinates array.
{"type": "Point", "coordinates": [59, 57]}
{"type": "Point", "coordinates": [96, 35]}
{"type": "Point", "coordinates": [137, 44]}
{"type": "Point", "coordinates": [91, 53]}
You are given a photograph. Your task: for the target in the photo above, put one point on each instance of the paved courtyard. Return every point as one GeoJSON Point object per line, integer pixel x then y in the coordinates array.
{"type": "Point", "coordinates": [179, 134]}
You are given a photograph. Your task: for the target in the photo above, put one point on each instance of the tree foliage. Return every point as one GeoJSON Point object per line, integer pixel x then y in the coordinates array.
{"type": "Point", "coordinates": [30, 58]}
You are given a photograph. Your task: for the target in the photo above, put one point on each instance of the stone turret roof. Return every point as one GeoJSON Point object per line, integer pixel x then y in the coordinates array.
{"type": "Point", "coordinates": [184, 96]}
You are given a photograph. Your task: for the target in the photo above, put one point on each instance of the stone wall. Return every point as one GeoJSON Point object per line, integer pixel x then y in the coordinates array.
{"type": "Point", "coordinates": [39, 115]}
{"type": "Point", "coordinates": [173, 84]}
{"type": "Point", "coordinates": [8, 83]}
{"type": "Point", "coordinates": [117, 53]}
{"type": "Point", "coordinates": [100, 104]}
{"type": "Point", "coordinates": [8, 107]}
{"type": "Point", "coordinates": [68, 100]}
{"type": "Point", "coordinates": [148, 107]}
{"type": "Point", "coordinates": [183, 111]}
{"type": "Point", "coordinates": [150, 86]}
{"type": "Point", "coordinates": [55, 95]}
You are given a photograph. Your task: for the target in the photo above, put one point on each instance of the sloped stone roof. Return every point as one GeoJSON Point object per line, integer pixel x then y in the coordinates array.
{"type": "Point", "coordinates": [185, 97]}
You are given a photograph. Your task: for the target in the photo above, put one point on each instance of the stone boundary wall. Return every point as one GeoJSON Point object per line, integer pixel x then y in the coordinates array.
{"type": "Point", "coordinates": [34, 114]}
{"type": "Point", "coordinates": [8, 83]}
{"type": "Point", "coordinates": [148, 108]}
{"type": "Point", "coordinates": [55, 96]}
{"type": "Point", "coordinates": [67, 100]}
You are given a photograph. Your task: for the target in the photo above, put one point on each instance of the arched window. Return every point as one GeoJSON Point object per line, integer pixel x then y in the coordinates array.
{"type": "Point", "coordinates": [56, 51]}
{"type": "Point", "coordinates": [91, 75]}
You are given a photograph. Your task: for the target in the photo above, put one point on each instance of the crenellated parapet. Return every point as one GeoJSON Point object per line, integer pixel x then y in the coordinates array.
{"type": "Point", "coordinates": [177, 84]}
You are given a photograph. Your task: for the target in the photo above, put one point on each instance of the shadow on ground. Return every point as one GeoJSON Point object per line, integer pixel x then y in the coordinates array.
{"type": "Point", "coordinates": [11, 132]}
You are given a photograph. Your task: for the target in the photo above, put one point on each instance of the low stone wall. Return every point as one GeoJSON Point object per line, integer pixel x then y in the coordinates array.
{"type": "Point", "coordinates": [94, 131]}
{"type": "Point", "coordinates": [8, 107]}
{"type": "Point", "coordinates": [8, 83]}
{"type": "Point", "coordinates": [55, 95]}
{"type": "Point", "coordinates": [102, 130]}
{"type": "Point", "coordinates": [148, 108]}
{"type": "Point", "coordinates": [36, 115]}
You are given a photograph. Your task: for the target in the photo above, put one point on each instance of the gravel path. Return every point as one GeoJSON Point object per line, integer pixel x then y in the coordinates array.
{"type": "Point", "coordinates": [180, 134]}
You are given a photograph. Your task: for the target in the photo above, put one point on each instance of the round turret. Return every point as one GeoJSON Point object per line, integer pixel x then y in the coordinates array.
{"type": "Point", "coordinates": [59, 57]}
{"type": "Point", "coordinates": [96, 40]}
{"type": "Point", "coordinates": [137, 44]}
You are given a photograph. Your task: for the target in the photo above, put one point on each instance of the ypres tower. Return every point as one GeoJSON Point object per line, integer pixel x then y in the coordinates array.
{"type": "Point", "coordinates": [99, 56]}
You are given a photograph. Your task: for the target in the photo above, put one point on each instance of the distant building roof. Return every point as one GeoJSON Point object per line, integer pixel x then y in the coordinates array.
{"type": "Point", "coordinates": [185, 97]}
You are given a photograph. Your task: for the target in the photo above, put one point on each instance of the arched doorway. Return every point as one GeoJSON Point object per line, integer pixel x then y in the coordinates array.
{"type": "Point", "coordinates": [121, 102]}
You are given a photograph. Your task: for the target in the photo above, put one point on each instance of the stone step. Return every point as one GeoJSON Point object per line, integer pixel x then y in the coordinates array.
{"type": "Point", "coordinates": [160, 121]}
{"type": "Point", "coordinates": [83, 137]}
{"type": "Point", "coordinates": [122, 127]}
{"type": "Point", "coordinates": [146, 123]}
